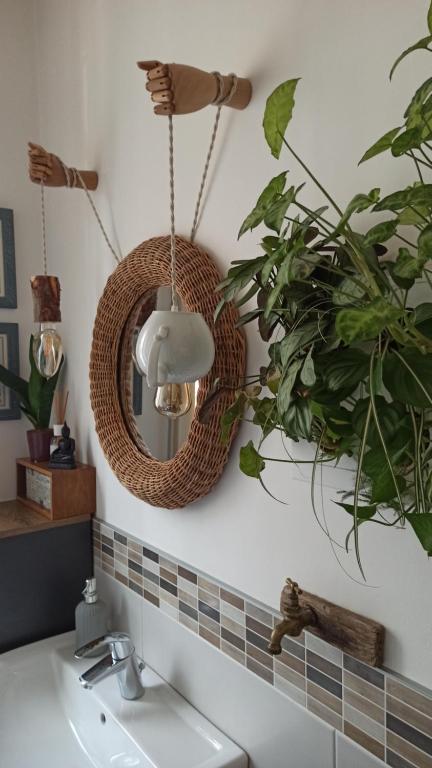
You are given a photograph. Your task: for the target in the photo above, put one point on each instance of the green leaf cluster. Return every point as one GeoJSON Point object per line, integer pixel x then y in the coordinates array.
{"type": "Point", "coordinates": [35, 395]}
{"type": "Point", "coordinates": [350, 354]}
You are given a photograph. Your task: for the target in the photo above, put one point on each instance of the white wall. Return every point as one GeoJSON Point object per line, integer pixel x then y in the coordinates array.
{"type": "Point", "coordinates": [18, 122]}
{"type": "Point", "coordinates": [94, 111]}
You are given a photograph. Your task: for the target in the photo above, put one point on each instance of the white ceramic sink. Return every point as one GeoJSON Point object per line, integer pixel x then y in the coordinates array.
{"type": "Point", "coordinates": [47, 720]}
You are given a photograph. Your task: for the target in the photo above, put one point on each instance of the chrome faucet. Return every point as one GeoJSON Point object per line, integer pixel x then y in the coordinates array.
{"type": "Point", "coordinates": [121, 661]}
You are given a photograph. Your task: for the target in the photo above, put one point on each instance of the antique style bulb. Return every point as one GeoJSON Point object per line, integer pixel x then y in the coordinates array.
{"type": "Point", "coordinates": [173, 400]}
{"type": "Point", "coordinates": [47, 350]}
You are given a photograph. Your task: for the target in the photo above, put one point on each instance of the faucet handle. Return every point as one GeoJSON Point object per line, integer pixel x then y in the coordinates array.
{"type": "Point", "coordinates": [120, 644]}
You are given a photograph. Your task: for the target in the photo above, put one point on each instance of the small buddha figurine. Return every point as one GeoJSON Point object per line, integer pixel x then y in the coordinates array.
{"type": "Point", "coordinates": [63, 456]}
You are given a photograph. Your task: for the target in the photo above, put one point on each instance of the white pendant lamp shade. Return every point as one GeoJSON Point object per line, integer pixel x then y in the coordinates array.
{"type": "Point", "coordinates": [174, 348]}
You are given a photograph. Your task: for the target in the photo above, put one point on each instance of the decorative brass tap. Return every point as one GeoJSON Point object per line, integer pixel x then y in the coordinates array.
{"type": "Point", "coordinates": [295, 617]}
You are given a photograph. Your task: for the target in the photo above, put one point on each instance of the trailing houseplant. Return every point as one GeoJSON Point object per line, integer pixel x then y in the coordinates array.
{"type": "Point", "coordinates": [350, 351]}
{"type": "Point", "coordinates": [35, 398]}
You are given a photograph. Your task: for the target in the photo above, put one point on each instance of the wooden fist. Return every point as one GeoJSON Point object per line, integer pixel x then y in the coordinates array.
{"type": "Point", "coordinates": [178, 89]}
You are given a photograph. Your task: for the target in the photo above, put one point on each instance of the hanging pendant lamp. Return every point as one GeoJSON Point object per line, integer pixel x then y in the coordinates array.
{"type": "Point", "coordinates": [47, 344]}
{"type": "Point", "coordinates": [173, 346]}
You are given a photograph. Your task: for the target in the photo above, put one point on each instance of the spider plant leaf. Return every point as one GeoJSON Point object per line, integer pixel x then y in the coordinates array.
{"type": "Point", "coordinates": [278, 113]}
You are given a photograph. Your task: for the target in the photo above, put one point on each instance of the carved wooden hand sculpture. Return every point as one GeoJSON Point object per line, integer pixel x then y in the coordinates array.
{"type": "Point", "coordinates": [178, 89]}
{"type": "Point", "coordinates": [46, 167]}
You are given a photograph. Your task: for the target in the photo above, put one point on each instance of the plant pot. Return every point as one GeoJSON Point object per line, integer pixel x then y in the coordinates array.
{"type": "Point", "coordinates": [39, 444]}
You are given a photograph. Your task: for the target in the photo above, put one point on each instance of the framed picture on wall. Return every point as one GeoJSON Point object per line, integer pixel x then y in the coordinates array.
{"type": "Point", "coordinates": [9, 357]}
{"type": "Point", "coordinates": [8, 290]}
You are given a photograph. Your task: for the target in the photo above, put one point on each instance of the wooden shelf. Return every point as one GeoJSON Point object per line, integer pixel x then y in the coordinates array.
{"type": "Point", "coordinates": [59, 493]}
{"type": "Point", "coordinates": [17, 518]}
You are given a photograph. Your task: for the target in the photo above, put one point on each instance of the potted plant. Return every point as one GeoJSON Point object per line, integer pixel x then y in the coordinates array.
{"type": "Point", "coordinates": [349, 344]}
{"type": "Point", "coordinates": [35, 399]}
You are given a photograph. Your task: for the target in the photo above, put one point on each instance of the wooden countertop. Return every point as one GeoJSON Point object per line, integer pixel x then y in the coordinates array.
{"type": "Point", "coordinates": [16, 518]}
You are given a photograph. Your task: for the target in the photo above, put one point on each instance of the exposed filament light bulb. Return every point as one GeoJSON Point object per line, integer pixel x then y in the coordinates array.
{"type": "Point", "coordinates": [47, 350]}
{"type": "Point", "coordinates": [173, 400]}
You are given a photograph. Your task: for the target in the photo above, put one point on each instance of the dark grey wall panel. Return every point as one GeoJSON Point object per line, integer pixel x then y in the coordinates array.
{"type": "Point", "coordinates": [41, 578]}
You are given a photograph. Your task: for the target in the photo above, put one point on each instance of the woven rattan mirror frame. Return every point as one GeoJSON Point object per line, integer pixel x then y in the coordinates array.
{"type": "Point", "coordinates": [197, 466]}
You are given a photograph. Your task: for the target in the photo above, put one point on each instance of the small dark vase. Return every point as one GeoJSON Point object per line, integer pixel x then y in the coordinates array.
{"type": "Point", "coordinates": [39, 444]}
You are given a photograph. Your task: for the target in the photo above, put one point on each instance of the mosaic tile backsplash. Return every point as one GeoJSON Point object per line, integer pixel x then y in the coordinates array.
{"type": "Point", "coordinates": [389, 717]}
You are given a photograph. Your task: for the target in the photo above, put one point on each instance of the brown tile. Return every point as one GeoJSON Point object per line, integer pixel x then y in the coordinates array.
{"type": "Point", "coordinates": [233, 626]}
{"type": "Point", "coordinates": [121, 577]}
{"type": "Point", "coordinates": [258, 627]}
{"type": "Point", "coordinates": [326, 698]}
{"type": "Point", "coordinates": [230, 637]}
{"type": "Point", "coordinates": [363, 688]}
{"type": "Point", "coordinates": [230, 597]}
{"type": "Point", "coordinates": [324, 665]}
{"type": "Point", "coordinates": [259, 670]}
{"type": "Point", "coordinates": [364, 705]}
{"type": "Point", "coordinates": [288, 674]}
{"type": "Point", "coordinates": [409, 715]}
{"type": "Point", "coordinates": [107, 568]}
{"type": "Point", "coordinates": [409, 696]}
{"type": "Point", "coordinates": [134, 546]}
{"type": "Point", "coordinates": [396, 761]}
{"type": "Point", "coordinates": [135, 577]}
{"type": "Point", "coordinates": [330, 717]}
{"type": "Point", "coordinates": [209, 636]}
{"type": "Point", "coordinates": [364, 723]}
{"type": "Point", "coordinates": [258, 613]}
{"type": "Point", "coordinates": [151, 598]}
{"type": "Point", "coordinates": [186, 574]}
{"type": "Point", "coordinates": [121, 559]}
{"type": "Point", "coordinates": [264, 658]}
{"type": "Point", "coordinates": [168, 576]}
{"type": "Point", "coordinates": [364, 740]}
{"type": "Point", "coordinates": [293, 662]}
{"type": "Point", "coordinates": [408, 751]}
{"type": "Point", "coordinates": [209, 586]}
{"type": "Point", "coordinates": [233, 652]}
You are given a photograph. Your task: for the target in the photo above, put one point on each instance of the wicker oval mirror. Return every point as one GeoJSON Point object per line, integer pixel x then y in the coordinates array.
{"type": "Point", "coordinates": [198, 463]}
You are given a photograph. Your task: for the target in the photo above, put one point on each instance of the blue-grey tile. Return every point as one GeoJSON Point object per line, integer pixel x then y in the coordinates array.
{"type": "Point", "coordinates": [372, 675]}
{"type": "Point", "coordinates": [150, 554]}
{"type": "Point", "coordinates": [134, 566]}
{"type": "Point", "coordinates": [208, 611]}
{"type": "Point", "coordinates": [407, 732]}
{"type": "Point", "coordinates": [168, 587]}
{"type": "Point", "coordinates": [325, 682]}
{"type": "Point", "coordinates": [188, 610]}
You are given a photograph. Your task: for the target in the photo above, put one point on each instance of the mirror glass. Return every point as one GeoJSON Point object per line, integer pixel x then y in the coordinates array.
{"type": "Point", "coordinates": [157, 419]}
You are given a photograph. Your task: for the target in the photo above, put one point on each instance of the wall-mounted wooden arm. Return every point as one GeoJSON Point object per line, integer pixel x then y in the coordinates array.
{"type": "Point", "coordinates": [178, 89]}
{"type": "Point", "coordinates": [47, 167]}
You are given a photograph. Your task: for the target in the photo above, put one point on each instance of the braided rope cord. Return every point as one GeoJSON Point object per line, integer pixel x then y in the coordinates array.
{"type": "Point", "coordinates": [43, 217]}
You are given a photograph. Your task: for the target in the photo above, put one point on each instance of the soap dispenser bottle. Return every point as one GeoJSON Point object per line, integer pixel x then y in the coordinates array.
{"type": "Point", "coordinates": [91, 617]}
